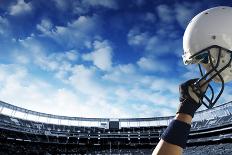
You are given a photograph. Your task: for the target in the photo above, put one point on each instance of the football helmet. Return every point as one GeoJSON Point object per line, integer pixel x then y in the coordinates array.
{"type": "Point", "coordinates": [207, 41]}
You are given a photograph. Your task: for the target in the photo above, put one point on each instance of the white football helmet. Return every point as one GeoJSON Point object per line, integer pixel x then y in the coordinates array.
{"type": "Point", "coordinates": [207, 42]}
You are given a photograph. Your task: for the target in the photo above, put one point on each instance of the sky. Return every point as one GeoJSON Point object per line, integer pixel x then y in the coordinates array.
{"type": "Point", "coordinates": [96, 58]}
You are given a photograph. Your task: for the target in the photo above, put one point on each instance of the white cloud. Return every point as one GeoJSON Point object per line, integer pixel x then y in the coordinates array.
{"type": "Point", "coordinates": [105, 3]}
{"type": "Point", "coordinates": [82, 89]}
{"type": "Point", "coordinates": [144, 101]}
{"type": "Point", "coordinates": [37, 53]}
{"type": "Point", "coordinates": [84, 80]}
{"type": "Point", "coordinates": [88, 96]}
{"type": "Point", "coordinates": [45, 26]}
{"type": "Point", "coordinates": [165, 13]}
{"type": "Point", "coordinates": [20, 58]}
{"type": "Point", "coordinates": [137, 38]}
{"type": "Point", "coordinates": [182, 15]}
{"type": "Point", "coordinates": [148, 64]}
{"type": "Point", "coordinates": [152, 44]}
{"type": "Point", "coordinates": [18, 87]}
{"type": "Point", "coordinates": [20, 8]}
{"type": "Point", "coordinates": [45, 64]}
{"type": "Point", "coordinates": [3, 21]}
{"type": "Point", "coordinates": [146, 111]}
{"type": "Point", "coordinates": [61, 4]}
{"type": "Point", "coordinates": [84, 23]}
{"type": "Point", "coordinates": [24, 90]}
{"type": "Point", "coordinates": [150, 17]}
{"type": "Point", "coordinates": [81, 7]}
{"type": "Point", "coordinates": [101, 55]}
{"type": "Point", "coordinates": [134, 88]}
{"type": "Point", "coordinates": [4, 26]}
{"type": "Point", "coordinates": [75, 34]}
{"type": "Point", "coordinates": [71, 55]}
{"type": "Point", "coordinates": [184, 12]}
{"type": "Point", "coordinates": [59, 63]}
{"type": "Point", "coordinates": [170, 85]}
{"type": "Point", "coordinates": [108, 94]}
{"type": "Point", "coordinates": [124, 74]}
{"type": "Point", "coordinates": [34, 50]}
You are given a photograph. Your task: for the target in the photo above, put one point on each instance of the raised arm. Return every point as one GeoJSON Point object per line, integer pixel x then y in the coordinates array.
{"type": "Point", "coordinates": [174, 138]}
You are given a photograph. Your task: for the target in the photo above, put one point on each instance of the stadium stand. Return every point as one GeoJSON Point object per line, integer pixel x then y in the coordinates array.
{"type": "Point", "coordinates": [23, 131]}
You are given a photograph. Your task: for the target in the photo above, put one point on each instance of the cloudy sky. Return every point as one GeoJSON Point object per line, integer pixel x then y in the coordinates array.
{"type": "Point", "coordinates": [96, 58]}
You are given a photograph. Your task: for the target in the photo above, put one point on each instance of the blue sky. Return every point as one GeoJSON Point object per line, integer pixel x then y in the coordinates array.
{"type": "Point", "coordinates": [96, 58]}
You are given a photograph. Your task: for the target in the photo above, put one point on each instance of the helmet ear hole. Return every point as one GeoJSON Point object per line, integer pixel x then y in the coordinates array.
{"type": "Point", "coordinates": [202, 58]}
{"type": "Point", "coordinates": [213, 37]}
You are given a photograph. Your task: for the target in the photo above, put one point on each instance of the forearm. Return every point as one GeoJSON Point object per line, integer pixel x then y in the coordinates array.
{"type": "Point", "coordinates": [164, 148]}
{"type": "Point", "coordinates": [184, 118]}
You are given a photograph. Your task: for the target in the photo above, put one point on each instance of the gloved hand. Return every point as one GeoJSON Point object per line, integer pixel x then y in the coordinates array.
{"type": "Point", "coordinates": [189, 100]}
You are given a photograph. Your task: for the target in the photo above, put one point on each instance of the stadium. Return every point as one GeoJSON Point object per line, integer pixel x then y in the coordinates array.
{"type": "Point", "coordinates": [102, 77]}
{"type": "Point", "coordinates": [29, 132]}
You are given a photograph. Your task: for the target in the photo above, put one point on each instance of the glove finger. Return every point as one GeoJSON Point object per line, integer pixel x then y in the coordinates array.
{"type": "Point", "coordinates": [191, 81]}
{"type": "Point", "coordinates": [183, 89]}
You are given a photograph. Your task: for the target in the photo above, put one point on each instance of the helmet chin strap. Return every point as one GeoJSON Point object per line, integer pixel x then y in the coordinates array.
{"type": "Point", "coordinates": [209, 102]}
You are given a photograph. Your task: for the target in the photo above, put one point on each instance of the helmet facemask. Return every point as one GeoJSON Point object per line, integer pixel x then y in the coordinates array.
{"type": "Point", "coordinates": [216, 61]}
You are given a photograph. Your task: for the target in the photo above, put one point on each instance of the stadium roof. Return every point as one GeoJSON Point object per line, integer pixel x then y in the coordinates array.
{"type": "Point", "coordinates": [18, 112]}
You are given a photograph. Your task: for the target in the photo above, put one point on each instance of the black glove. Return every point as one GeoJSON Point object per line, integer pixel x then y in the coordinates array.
{"type": "Point", "coordinates": [188, 105]}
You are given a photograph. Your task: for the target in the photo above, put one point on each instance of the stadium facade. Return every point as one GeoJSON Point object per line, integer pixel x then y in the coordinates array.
{"type": "Point", "coordinates": [23, 131]}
